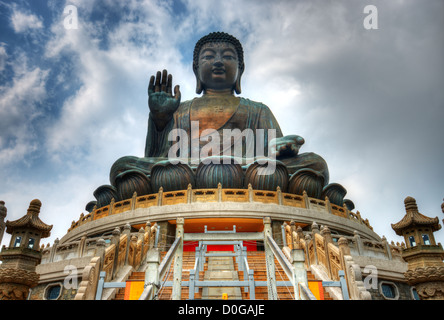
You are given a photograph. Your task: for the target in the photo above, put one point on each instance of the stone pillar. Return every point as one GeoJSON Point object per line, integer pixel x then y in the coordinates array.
{"type": "Point", "coordinates": [100, 250]}
{"type": "Point", "coordinates": [3, 212]}
{"type": "Point", "coordinates": [82, 246]}
{"type": "Point", "coordinates": [277, 232]}
{"type": "Point", "coordinates": [294, 242]}
{"type": "Point", "coordinates": [250, 193]}
{"type": "Point", "coordinates": [53, 251]}
{"type": "Point", "coordinates": [300, 234]}
{"type": "Point", "coordinates": [326, 234]}
{"type": "Point", "coordinates": [387, 248]}
{"type": "Point", "coordinates": [343, 246]}
{"type": "Point", "coordinates": [151, 273]}
{"type": "Point", "coordinates": [127, 231]}
{"type": "Point", "coordinates": [358, 242]}
{"type": "Point", "coordinates": [314, 228]}
{"type": "Point", "coordinates": [116, 241]}
{"type": "Point", "coordinates": [300, 273]}
{"type": "Point", "coordinates": [279, 195]}
{"type": "Point", "coordinates": [178, 261]}
{"type": "Point", "coordinates": [166, 235]}
{"type": "Point", "coordinates": [269, 260]}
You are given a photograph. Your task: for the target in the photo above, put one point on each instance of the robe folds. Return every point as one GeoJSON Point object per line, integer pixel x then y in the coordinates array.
{"type": "Point", "coordinates": [249, 116]}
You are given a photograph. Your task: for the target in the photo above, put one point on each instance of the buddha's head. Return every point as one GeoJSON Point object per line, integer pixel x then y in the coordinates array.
{"type": "Point", "coordinates": [218, 63]}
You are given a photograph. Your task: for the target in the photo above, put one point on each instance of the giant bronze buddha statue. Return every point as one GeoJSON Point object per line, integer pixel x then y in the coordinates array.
{"type": "Point", "coordinates": [192, 127]}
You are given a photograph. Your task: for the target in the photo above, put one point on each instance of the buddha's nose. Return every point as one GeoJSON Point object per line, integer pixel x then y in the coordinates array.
{"type": "Point", "coordinates": [218, 61]}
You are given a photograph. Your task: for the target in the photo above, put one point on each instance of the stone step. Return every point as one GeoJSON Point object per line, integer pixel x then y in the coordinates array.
{"type": "Point", "coordinates": [221, 269]}
{"type": "Point", "coordinates": [225, 268]}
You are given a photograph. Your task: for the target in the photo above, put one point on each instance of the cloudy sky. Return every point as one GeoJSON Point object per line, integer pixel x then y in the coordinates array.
{"type": "Point", "coordinates": [369, 101]}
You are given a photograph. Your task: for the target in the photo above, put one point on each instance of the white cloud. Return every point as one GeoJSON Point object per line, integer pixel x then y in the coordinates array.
{"type": "Point", "coordinates": [18, 109]}
{"type": "Point", "coordinates": [24, 22]}
{"type": "Point", "coordinates": [3, 56]}
{"type": "Point", "coordinates": [368, 102]}
{"type": "Point", "coordinates": [113, 81]}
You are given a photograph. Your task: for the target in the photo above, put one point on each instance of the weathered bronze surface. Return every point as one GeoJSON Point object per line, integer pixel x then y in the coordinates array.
{"type": "Point", "coordinates": [218, 65]}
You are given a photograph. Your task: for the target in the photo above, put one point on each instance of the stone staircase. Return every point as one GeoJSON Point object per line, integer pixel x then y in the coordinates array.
{"type": "Point", "coordinates": [222, 269]}
{"type": "Point", "coordinates": [256, 261]}
{"type": "Point", "coordinates": [225, 268]}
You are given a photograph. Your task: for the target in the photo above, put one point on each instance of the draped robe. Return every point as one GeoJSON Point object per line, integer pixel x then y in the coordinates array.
{"type": "Point", "coordinates": [248, 115]}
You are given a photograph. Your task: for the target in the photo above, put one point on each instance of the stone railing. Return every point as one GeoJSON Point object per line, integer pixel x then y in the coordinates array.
{"type": "Point", "coordinates": [125, 249]}
{"type": "Point", "coordinates": [334, 253]}
{"type": "Point", "coordinates": [115, 250]}
{"type": "Point", "coordinates": [219, 195]}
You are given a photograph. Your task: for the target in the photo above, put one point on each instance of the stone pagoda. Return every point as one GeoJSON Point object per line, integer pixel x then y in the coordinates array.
{"type": "Point", "coordinates": [19, 260]}
{"type": "Point", "coordinates": [423, 255]}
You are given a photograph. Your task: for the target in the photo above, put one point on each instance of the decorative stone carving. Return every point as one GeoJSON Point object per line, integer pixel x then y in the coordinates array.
{"type": "Point", "coordinates": [15, 283]}
{"type": "Point", "coordinates": [306, 180]}
{"type": "Point", "coordinates": [335, 193]}
{"type": "Point", "coordinates": [90, 206]}
{"type": "Point", "coordinates": [212, 171]}
{"type": "Point", "coordinates": [104, 194]}
{"type": "Point", "coordinates": [430, 291]}
{"type": "Point", "coordinates": [355, 283]}
{"type": "Point", "coordinates": [88, 285]}
{"type": "Point", "coordinates": [429, 282]}
{"type": "Point", "coordinates": [349, 204]}
{"type": "Point", "coordinates": [132, 181]}
{"type": "Point", "coordinates": [171, 177]}
{"type": "Point", "coordinates": [279, 178]}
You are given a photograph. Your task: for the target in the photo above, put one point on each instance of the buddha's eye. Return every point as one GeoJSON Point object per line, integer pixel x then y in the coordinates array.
{"type": "Point", "coordinates": [229, 57]}
{"type": "Point", "coordinates": [208, 57]}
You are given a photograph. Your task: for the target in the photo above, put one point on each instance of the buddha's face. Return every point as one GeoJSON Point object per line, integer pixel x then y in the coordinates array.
{"type": "Point", "coordinates": [218, 67]}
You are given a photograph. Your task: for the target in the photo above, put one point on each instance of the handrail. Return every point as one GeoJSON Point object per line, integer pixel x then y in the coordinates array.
{"type": "Point", "coordinates": [163, 267]}
{"type": "Point", "coordinates": [241, 258]}
{"type": "Point", "coordinates": [286, 266]}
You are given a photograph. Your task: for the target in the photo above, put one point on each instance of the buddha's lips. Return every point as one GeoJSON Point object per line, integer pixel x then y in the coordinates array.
{"type": "Point", "coordinates": [218, 71]}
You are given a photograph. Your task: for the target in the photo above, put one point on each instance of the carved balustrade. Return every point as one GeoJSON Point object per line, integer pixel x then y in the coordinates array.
{"type": "Point", "coordinates": [219, 195]}
{"type": "Point", "coordinates": [333, 253]}
{"type": "Point", "coordinates": [114, 251]}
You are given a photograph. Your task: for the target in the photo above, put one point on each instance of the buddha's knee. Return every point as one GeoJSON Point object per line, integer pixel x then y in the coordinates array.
{"type": "Point", "coordinates": [121, 165]}
{"type": "Point", "coordinates": [308, 160]}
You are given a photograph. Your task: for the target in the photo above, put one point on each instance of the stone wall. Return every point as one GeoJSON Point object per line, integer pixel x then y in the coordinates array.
{"type": "Point", "coordinates": [404, 291]}
{"type": "Point", "coordinates": [39, 292]}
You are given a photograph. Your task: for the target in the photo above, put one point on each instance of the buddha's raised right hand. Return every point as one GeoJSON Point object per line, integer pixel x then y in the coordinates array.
{"type": "Point", "coordinates": [161, 101]}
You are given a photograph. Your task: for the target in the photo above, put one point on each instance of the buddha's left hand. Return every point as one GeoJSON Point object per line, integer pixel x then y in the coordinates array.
{"type": "Point", "coordinates": [287, 146]}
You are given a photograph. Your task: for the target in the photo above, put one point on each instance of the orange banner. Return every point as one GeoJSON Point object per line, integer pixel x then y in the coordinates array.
{"type": "Point", "coordinates": [133, 290]}
{"type": "Point", "coordinates": [316, 288]}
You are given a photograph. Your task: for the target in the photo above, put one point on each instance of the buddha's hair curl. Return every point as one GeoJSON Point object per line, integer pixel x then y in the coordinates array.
{"type": "Point", "coordinates": [219, 37]}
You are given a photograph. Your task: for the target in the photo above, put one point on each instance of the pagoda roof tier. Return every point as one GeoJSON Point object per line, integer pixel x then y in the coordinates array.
{"type": "Point", "coordinates": [414, 218]}
{"type": "Point", "coordinates": [30, 220]}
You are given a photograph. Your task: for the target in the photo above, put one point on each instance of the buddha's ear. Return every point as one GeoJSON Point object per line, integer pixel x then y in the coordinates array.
{"type": "Point", "coordinates": [199, 87]}
{"type": "Point", "coordinates": [237, 86]}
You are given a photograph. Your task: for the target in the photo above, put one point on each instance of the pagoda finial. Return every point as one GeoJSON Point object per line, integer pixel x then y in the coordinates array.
{"type": "Point", "coordinates": [3, 209]}
{"type": "Point", "coordinates": [34, 207]}
{"type": "Point", "coordinates": [410, 204]}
